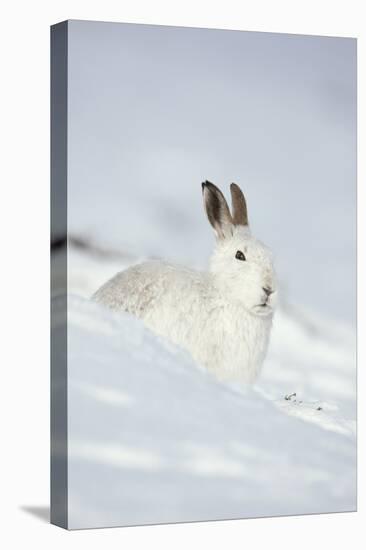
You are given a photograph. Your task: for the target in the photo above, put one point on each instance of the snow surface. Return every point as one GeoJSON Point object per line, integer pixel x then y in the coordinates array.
{"type": "Point", "coordinates": [154, 438]}
{"type": "Point", "coordinates": [151, 113]}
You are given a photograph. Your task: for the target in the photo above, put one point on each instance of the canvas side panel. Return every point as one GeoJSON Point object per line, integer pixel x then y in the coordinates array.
{"type": "Point", "coordinates": [59, 36]}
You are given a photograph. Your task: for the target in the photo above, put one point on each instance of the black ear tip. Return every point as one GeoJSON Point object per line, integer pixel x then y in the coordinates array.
{"type": "Point", "coordinates": [207, 184]}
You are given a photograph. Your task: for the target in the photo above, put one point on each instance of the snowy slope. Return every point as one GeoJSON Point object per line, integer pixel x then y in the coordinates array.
{"type": "Point", "coordinates": [154, 438]}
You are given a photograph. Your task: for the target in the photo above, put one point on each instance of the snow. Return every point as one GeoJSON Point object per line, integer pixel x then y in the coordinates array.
{"type": "Point", "coordinates": [154, 438]}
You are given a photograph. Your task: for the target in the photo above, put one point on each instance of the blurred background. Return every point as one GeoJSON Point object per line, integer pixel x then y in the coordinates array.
{"type": "Point", "coordinates": [155, 110]}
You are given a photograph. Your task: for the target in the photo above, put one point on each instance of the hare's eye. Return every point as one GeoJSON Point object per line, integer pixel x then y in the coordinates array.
{"type": "Point", "coordinates": [240, 256]}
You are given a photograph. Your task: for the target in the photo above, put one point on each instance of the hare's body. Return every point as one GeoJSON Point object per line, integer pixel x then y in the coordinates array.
{"type": "Point", "coordinates": [222, 317]}
{"type": "Point", "coordinates": [188, 308]}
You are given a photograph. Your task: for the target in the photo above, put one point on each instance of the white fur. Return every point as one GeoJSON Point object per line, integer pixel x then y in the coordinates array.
{"type": "Point", "coordinates": [216, 315]}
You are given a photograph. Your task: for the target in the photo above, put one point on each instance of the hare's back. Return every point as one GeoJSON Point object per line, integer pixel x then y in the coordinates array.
{"type": "Point", "coordinates": [140, 287]}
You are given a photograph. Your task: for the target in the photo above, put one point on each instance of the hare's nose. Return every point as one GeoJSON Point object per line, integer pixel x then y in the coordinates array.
{"type": "Point", "coordinates": [268, 291]}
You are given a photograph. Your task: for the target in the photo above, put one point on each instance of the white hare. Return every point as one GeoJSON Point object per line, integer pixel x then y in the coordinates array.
{"type": "Point", "coordinates": [223, 317]}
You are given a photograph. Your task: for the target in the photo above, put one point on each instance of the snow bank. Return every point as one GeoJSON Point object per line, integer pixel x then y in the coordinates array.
{"type": "Point", "coordinates": [153, 438]}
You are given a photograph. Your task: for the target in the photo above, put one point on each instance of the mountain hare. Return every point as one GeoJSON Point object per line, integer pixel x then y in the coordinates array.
{"type": "Point", "coordinates": [223, 317]}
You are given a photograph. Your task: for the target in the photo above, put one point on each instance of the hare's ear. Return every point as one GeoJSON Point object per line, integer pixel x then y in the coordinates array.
{"type": "Point", "coordinates": [239, 205]}
{"type": "Point", "coordinates": [217, 210]}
